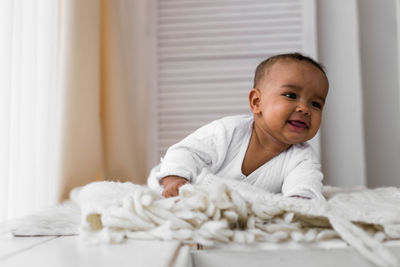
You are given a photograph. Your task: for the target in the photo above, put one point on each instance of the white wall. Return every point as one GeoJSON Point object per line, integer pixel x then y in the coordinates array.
{"type": "Point", "coordinates": [342, 137]}
{"type": "Point", "coordinates": [379, 57]}
{"type": "Point", "coordinates": [358, 44]}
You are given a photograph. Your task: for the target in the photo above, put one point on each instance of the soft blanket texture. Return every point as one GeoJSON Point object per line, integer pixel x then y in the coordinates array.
{"type": "Point", "coordinates": [220, 210]}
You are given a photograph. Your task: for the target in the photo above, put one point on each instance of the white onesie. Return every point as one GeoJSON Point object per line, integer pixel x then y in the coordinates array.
{"type": "Point", "coordinates": [221, 145]}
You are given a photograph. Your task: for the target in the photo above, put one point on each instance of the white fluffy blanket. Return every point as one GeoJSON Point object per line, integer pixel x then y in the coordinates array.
{"type": "Point", "coordinates": [222, 210]}
{"type": "Point", "coordinates": [219, 211]}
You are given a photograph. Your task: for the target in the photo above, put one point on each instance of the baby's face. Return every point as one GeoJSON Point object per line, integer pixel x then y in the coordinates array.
{"type": "Point", "coordinates": [292, 96]}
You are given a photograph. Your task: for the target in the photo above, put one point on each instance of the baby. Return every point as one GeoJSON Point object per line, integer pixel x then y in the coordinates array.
{"type": "Point", "coordinates": [267, 149]}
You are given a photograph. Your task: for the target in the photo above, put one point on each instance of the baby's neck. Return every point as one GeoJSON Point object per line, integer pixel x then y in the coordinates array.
{"type": "Point", "coordinates": [266, 142]}
{"type": "Point", "coordinates": [259, 152]}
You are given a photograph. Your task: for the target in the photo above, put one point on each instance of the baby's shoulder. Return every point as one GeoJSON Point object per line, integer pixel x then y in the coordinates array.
{"type": "Point", "coordinates": [236, 121]}
{"type": "Point", "coordinates": [302, 151]}
{"type": "Point", "coordinates": [302, 147]}
{"type": "Point", "coordinates": [225, 127]}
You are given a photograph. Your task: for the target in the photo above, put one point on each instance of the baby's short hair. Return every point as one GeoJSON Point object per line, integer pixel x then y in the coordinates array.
{"type": "Point", "coordinates": [264, 66]}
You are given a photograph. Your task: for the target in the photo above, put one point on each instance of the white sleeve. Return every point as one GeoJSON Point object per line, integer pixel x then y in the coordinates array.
{"type": "Point", "coordinates": [305, 177]}
{"type": "Point", "coordinates": [206, 147]}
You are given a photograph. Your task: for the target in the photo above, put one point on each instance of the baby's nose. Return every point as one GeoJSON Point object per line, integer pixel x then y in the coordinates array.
{"type": "Point", "coordinates": [301, 108]}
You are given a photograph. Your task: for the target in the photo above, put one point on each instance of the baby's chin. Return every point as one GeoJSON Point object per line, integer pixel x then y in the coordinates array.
{"type": "Point", "coordinates": [296, 141]}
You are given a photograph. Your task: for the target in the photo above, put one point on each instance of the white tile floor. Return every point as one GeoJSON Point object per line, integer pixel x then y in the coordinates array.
{"type": "Point", "coordinates": [333, 253]}
{"type": "Point", "coordinates": [70, 251]}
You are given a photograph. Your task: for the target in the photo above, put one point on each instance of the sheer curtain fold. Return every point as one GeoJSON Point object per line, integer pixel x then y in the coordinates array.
{"type": "Point", "coordinates": [28, 37]}
{"type": "Point", "coordinates": [79, 83]}
{"type": "Point", "coordinates": [125, 89]}
{"type": "Point", "coordinates": [73, 98]}
{"type": "Point", "coordinates": [103, 78]}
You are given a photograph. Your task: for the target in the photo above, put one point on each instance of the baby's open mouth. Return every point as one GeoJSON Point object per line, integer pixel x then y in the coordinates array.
{"type": "Point", "coordinates": [299, 124]}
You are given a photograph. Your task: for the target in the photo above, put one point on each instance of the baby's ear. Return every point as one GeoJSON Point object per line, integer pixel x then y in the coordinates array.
{"type": "Point", "coordinates": [254, 100]}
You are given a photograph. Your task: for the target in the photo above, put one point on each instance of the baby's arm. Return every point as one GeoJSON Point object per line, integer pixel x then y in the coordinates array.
{"type": "Point", "coordinates": [183, 161]}
{"type": "Point", "coordinates": [304, 180]}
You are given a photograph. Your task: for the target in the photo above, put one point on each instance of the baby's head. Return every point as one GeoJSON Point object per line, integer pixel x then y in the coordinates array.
{"type": "Point", "coordinates": [263, 68]}
{"type": "Point", "coordinates": [288, 97]}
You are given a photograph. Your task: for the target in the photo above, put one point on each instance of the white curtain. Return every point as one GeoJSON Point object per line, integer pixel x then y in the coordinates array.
{"type": "Point", "coordinates": [73, 98]}
{"type": "Point", "coordinates": [28, 105]}
{"type": "Point", "coordinates": [103, 76]}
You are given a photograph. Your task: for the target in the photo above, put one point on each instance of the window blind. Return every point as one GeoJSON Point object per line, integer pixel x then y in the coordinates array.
{"type": "Point", "coordinates": [208, 51]}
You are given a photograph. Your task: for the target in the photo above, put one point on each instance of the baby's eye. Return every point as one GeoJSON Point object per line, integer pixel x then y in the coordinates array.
{"type": "Point", "coordinates": [316, 105]}
{"type": "Point", "coordinates": [290, 95]}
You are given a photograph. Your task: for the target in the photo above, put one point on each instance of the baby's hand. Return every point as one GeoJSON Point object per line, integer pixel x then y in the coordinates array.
{"type": "Point", "coordinates": [171, 185]}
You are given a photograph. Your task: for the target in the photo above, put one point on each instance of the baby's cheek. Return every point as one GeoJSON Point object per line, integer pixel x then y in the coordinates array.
{"type": "Point", "coordinates": [315, 124]}
{"type": "Point", "coordinates": [317, 118]}
{"type": "Point", "coordinates": [279, 113]}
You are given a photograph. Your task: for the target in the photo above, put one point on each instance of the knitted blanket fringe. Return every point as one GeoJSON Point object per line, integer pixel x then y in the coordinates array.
{"type": "Point", "coordinates": [222, 210]}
